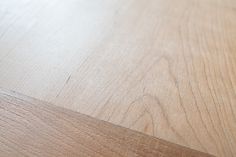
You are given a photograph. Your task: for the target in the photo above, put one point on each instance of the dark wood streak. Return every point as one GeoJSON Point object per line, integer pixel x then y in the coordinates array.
{"type": "Point", "coordinates": [46, 128]}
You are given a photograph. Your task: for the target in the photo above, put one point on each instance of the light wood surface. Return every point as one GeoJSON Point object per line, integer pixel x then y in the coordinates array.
{"type": "Point", "coordinates": [166, 68]}
{"type": "Point", "coordinates": [29, 127]}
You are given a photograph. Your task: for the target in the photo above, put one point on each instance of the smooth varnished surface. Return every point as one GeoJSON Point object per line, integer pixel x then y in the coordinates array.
{"type": "Point", "coordinates": [29, 127]}
{"type": "Point", "coordinates": [162, 67]}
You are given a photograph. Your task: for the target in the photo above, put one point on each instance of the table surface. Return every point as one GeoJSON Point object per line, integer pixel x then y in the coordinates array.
{"type": "Point", "coordinates": [166, 68]}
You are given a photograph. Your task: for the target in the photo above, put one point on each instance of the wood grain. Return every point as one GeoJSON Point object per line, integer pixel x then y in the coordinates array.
{"type": "Point", "coordinates": [162, 67]}
{"type": "Point", "coordinates": [33, 128]}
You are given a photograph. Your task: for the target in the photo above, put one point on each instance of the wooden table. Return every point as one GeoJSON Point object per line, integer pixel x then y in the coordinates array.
{"type": "Point", "coordinates": [166, 68]}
